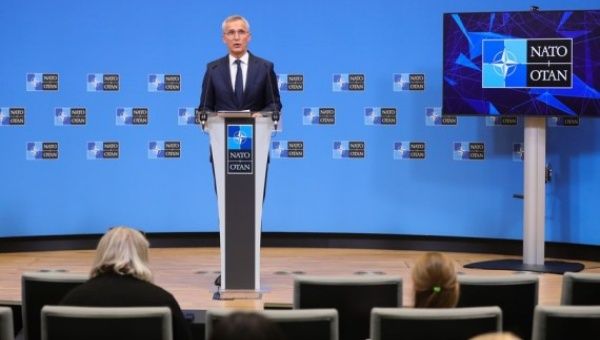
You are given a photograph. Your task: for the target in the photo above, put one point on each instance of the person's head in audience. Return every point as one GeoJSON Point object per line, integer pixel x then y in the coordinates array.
{"type": "Point", "coordinates": [246, 325]}
{"type": "Point", "coordinates": [434, 281]}
{"type": "Point", "coordinates": [496, 336]}
{"type": "Point", "coordinates": [122, 251]}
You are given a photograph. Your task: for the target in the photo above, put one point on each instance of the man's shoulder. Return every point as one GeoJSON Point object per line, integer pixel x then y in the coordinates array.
{"type": "Point", "coordinates": [259, 60]}
{"type": "Point", "coordinates": [217, 62]}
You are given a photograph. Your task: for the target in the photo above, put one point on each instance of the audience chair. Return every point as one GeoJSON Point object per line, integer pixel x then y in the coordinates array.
{"type": "Point", "coordinates": [566, 322]}
{"type": "Point", "coordinates": [434, 323]}
{"type": "Point", "coordinates": [6, 324]}
{"type": "Point", "coordinates": [296, 324]}
{"type": "Point", "coordinates": [43, 288]}
{"type": "Point", "coordinates": [581, 289]}
{"type": "Point", "coordinates": [114, 323]}
{"type": "Point", "coordinates": [515, 294]}
{"type": "Point", "coordinates": [352, 296]}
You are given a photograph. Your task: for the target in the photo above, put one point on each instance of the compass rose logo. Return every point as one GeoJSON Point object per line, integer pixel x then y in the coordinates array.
{"type": "Point", "coordinates": [505, 63]}
{"type": "Point", "coordinates": [240, 137]}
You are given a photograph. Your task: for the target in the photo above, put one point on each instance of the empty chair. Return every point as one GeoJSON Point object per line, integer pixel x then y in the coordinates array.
{"type": "Point", "coordinates": [43, 288]}
{"type": "Point", "coordinates": [516, 295]}
{"type": "Point", "coordinates": [100, 323]}
{"type": "Point", "coordinates": [434, 323]}
{"type": "Point", "coordinates": [580, 289]}
{"type": "Point", "coordinates": [566, 322]}
{"type": "Point", "coordinates": [295, 324]}
{"type": "Point", "coordinates": [352, 296]}
{"type": "Point", "coordinates": [6, 324]}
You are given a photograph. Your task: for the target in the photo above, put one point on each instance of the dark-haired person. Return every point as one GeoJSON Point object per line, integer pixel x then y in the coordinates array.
{"type": "Point", "coordinates": [434, 281]}
{"type": "Point", "coordinates": [120, 277]}
{"type": "Point", "coordinates": [247, 326]}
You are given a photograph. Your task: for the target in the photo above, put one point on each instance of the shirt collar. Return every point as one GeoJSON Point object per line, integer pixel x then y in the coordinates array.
{"type": "Point", "coordinates": [244, 59]}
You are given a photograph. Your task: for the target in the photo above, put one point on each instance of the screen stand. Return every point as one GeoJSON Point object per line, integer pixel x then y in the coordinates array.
{"type": "Point", "coordinates": [534, 215]}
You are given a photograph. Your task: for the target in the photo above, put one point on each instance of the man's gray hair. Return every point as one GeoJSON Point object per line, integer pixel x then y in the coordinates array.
{"type": "Point", "coordinates": [235, 18]}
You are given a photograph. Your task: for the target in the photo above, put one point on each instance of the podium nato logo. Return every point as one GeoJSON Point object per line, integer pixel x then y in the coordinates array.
{"type": "Point", "coordinates": [348, 149]}
{"type": "Point", "coordinates": [287, 149]}
{"type": "Point", "coordinates": [12, 116]}
{"type": "Point", "coordinates": [103, 150]}
{"type": "Point", "coordinates": [380, 116]}
{"type": "Point", "coordinates": [158, 82]}
{"type": "Point", "coordinates": [70, 116]}
{"type": "Point", "coordinates": [290, 82]}
{"type": "Point", "coordinates": [409, 82]}
{"type": "Point", "coordinates": [240, 147]}
{"type": "Point", "coordinates": [468, 151]}
{"type": "Point", "coordinates": [518, 154]}
{"type": "Point", "coordinates": [434, 117]}
{"type": "Point", "coordinates": [318, 115]}
{"type": "Point", "coordinates": [188, 116]}
{"type": "Point", "coordinates": [132, 116]}
{"type": "Point", "coordinates": [158, 149]}
{"type": "Point", "coordinates": [409, 150]}
{"type": "Point", "coordinates": [97, 82]}
{"type": "Point", "coordinates": [41, 151]}
{"type": "Point", "coordinates": [563, 121]}
{"type": "Point", "coordinates": [527, 63]}
{"type": "Point", "coordinates": [342, 82]}
{"type": "Point", "coordinates": [41, 82]}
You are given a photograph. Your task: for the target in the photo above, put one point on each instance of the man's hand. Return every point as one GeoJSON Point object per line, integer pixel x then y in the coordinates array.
{"type": "Point", "coordinates": [256, 115]}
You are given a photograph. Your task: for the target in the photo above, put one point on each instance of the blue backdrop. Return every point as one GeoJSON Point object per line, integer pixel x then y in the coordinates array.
{"type": "Point", "coordinates": [443, 194]}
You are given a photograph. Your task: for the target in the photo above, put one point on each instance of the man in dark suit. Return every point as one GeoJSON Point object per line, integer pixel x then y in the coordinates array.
{"type": "Point", "coordinates": [254, 90]}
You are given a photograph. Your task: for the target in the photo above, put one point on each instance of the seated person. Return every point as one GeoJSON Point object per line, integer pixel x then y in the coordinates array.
{"type": "Point", "coordinates": [434, 282]}
{"type": "Point", "coordinates": [247, 326]}
{"type": "Point", "coordinates": [120, 277]}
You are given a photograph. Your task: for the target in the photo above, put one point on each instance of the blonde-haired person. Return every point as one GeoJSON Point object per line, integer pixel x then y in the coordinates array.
{"type": "Point", "coordinates": [120, 277]}
{"type": "Point", "coordinates": [434, 281]}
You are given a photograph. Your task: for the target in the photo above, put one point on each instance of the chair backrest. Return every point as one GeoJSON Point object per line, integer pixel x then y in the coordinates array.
{"type": "Point", "coordinates": [352, 296]}
{"type": "Point", "coordinates": [115, 323]}
{"type": "Point", "coordinates": [43, 288]}
{"type": "Point", "coordinates": [515, 294]}
{"type": "Point", "coordinates": [580, 289]}
{"type": "Point", "coordinates": [566, 322]}
{"type": "Point", "coordinates": [434, 323]}
{"type": "Point", "coordinates": [296, 324]}
{"type": "Point", "coordinates": [6, 324]}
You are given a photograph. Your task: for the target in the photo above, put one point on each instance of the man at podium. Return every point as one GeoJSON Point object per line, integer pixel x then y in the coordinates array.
{"type": "Point", "coordinates": [240, 81]}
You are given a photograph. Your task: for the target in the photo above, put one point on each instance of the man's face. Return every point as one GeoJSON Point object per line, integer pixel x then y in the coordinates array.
{"type": "Point", "coordinates": [236, 37]}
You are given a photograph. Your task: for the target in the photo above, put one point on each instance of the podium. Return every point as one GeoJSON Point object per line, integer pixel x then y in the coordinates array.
{"type": "Point", "coordinates": [240, 147]}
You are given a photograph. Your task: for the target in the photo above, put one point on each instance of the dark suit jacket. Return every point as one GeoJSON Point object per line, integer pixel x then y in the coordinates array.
{"type": "Point", "coordinates": [113, 290]}
{"type": "Point", "coordinates": [260, 94]}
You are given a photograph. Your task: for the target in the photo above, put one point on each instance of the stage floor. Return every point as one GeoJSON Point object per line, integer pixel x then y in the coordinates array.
{"type": "Point", "coordinates": [189, 273]}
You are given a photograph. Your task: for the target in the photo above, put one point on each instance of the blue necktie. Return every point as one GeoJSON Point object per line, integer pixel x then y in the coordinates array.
{"type": "Point", "coordinates": [239, 85]}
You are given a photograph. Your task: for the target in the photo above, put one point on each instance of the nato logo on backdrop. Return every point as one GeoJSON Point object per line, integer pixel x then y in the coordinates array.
{"type": "Point", "coordinates": [433, 117]}
{"type": "Point", "coordinates": [501, 120]}
{"type": "Point", "coordinates": [409, 82]}
{"type": "Point", "coordinates": [518, 154]}
{"type": "Point", "coordinates": [131, 116]}
{"type": "Point", "coordinates": [290, 82]}
{"type": "Point", "coordinates": [158, 82]}
{"type": "Point", "coordinates": [102, 150]}
{"type": "Point", "coordinates": [70, 116]}
{"type": "Point", "coordinates": [563, 121]}
{"type": "Point", "coordinates": [318, 116]}
{"type": "Point", "coordinates": [188, 116]}
{"type": "Point", "coordinates": [12, 116]}
{"type": "Point", "coordinates": [41, 82]}
{"type": "Point", "coordinates": [348, 149]}
{"type": "Point", "coordinates": [41, 151]}
{"type": "Point", "coordinates": [343, 82]}
{"type": "Point", "coordinates": [468, 151]}
{"type": "Point", "coordinates": [409, 150]}
{"type": "Point", "coordinates": [380, 116]}
{"type": "Point", "coordinates": [240, 149]}
{"type": "Point", "coordinates": [158, 149]}
{"type": "Point", "coordinates": [98, 82]}
{"type": "Point", "coordinates": [287, 149]}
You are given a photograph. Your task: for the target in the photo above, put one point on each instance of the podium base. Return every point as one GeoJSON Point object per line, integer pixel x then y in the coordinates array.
{"type": "Point", "coordinates": [237, 294]}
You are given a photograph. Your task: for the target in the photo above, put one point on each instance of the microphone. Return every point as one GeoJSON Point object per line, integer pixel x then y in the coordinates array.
{"type": "Point", "coordinates": [206, 83]}
{"type": "Point", "coordinates": [275, 115]}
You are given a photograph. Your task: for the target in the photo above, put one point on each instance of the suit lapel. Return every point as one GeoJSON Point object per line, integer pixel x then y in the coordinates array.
{"type": "Point", "coordinates": [226, 75]}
